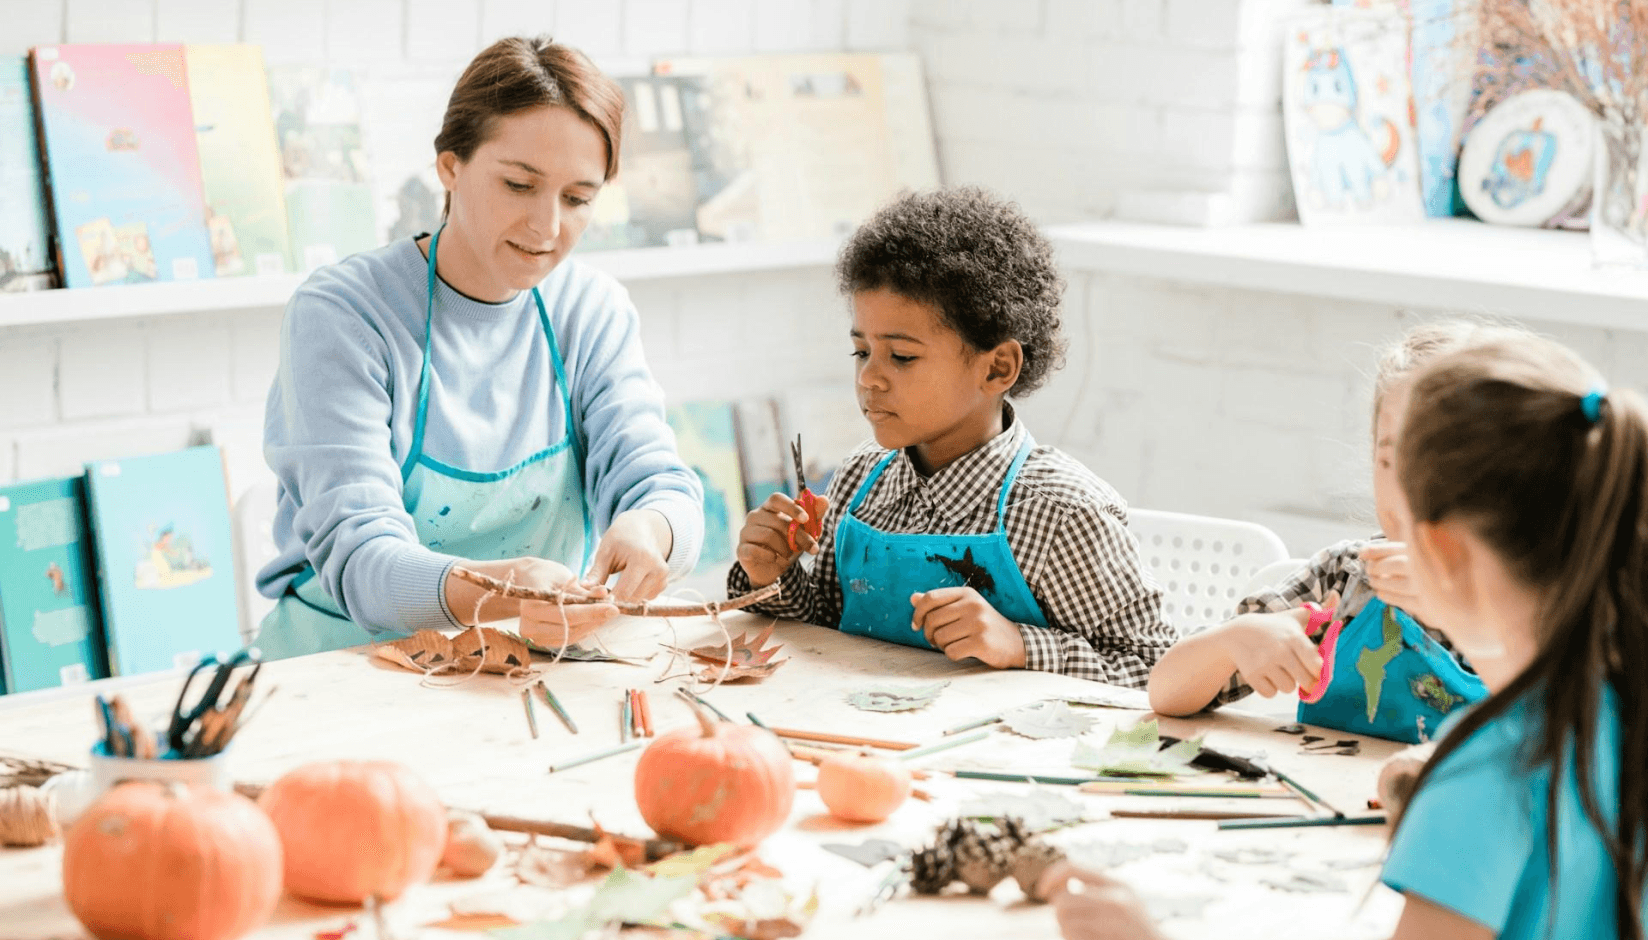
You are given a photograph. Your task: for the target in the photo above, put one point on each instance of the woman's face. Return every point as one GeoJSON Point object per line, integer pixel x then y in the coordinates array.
{"type": "Point", "coordinates": [520, 204]}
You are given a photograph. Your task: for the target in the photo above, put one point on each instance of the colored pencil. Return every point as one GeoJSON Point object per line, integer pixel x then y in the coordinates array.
{"type": "Point", "coordinates": [827, 738]}
{"type": "Point", "coordinates": [945, 745]}
{"type": "Point", "coordinates": [970, 725]}
{"type": "Point", "coordinates": [531, 719]}
{"type": "Point", "coordinates": [704, 702]}
{"type": "Point", "coordinates": [597, 755]}
{"type": "Point", "coordinates": [555, 703]}
{"type": "Point", "coordinates": [1293, 784]}
{"type": "Point", "coordinates": [646, 712]}
{"type": "Point", "coordinates": [1039, 778]}
{"type": "Point", "coordinates": [635, 714]}
{"type": "Point", "coordinates": [1218, 814]}
{"type": "Point", "coordinates": [1292, 822]}
{"type": "Point", "coordinates": [1213, 793]}
{"type": "Point", "coordinates": [625, 719]}
{"type": "Point", "coordinates": [756, 721]}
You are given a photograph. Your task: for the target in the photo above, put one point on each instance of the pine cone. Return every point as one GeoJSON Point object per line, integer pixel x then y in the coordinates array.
{"type": "Point", "coordinates": [932, 869]}
{"type": "Point", "coordinates": [1032, 861]}
{"type": "Point", "coordinates": [984, 852]}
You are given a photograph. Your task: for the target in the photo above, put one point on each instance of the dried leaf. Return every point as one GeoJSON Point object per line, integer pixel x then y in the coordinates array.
{"type": "Point", "coordinates": [1039, 810]}
{"type": "Point", "coordinates": [744, 651]}
{"type": "Point", "coordinates": [1130, 699]}
{"type": "Point", "coordinates": [429, 650]}
{"type": "Point", "coordinates": [895, 698]}
{"type": "Point", "coordinates": [695, 862]}
{"type": "Point", "coordinates": [776, 928]}
{"type": "Point", "coordinates": [610, 851]}
{"type": "Point", "coordinates": [1137, 751]}
{"type": "Point", "coordinates": [724, 673]}
{"type": "Point", "coordinates": [579, 654]}
{"type": "Point", "coordinates": [551, 867]}
{"type": "Point", "coordinates": [1047, 720]}
{"type": "Point", "coordinates": [869, 853]}
{"type": "Point", "coordinates": [497, 651]}
{"type": "Point", "coordinates": [475, 921]}
{"type": "Point", "coordinates": [420, 652]}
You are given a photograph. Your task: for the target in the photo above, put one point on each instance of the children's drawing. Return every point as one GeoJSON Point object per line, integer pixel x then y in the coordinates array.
{"type": "Point", "coordinates": [1529, 161]}
{"type": "Point", "coordinates": [169, 561]}
{"type": "Point", "coordinates": [1349, 117]}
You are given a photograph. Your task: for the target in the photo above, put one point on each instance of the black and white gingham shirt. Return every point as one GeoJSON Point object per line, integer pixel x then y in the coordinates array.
{"type": "Point", "coordinates": [1067, 530]}
{"type": "Point", "coordinates": [1335, 568]}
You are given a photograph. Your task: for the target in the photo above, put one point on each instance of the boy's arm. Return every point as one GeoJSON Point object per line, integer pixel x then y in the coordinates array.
{"type": "Point", "coordinates": [1104, 608]}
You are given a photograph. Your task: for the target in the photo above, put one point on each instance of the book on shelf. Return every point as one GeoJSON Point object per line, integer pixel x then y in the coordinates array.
{"type": "Point", "coordinates": [51, 631]}
{"type": "Point", "coordinates": [25, 231]}
{"type": "Point", "coordinates": [317, 115]}
{"type": "Point", "coordinates": [239, 160]}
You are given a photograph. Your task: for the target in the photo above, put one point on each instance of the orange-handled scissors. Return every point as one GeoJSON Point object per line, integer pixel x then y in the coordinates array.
{"type": "Point", "coordinates": [806, 499]}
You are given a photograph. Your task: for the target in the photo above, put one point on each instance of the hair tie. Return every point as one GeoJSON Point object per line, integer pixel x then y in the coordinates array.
{"type": "Point", "coordinates": [1591, 404]}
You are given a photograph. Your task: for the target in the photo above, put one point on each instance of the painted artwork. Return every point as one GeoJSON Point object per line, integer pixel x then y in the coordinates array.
{"type": "Point", "coordinates": [654, 199]}
{"type": "Point", "coordinates": [763, 453]}
{"type": "Point", "coordinates": [400, 117]}
{"type": "Point", "coordinates": [794, 147]}
{"type": "Point", "coordinates": [25, 233]}
{"type": "Point", "coordinates": [51, 633]}
{"type": "Point", "coordinates": [329, 200]}
{"type": "Point", "coordinates": [164, 558]}
{"type": "Point", "coordinates": [1347, 111]}
{"type": "Point", "coordinates": [830, 425]}
{"type": "Point", "coordinates": [119, 146]}
{"type": "Point", "coordinates": [1530, 161]}
{"type": "Point", "coordinates": [707, 442]}
{"type": "Point", "coordinates": [239, 160]}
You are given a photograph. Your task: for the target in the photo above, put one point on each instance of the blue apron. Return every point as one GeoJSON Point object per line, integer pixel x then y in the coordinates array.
{"type": "Point", "coordinates": [526, 510]}
{"type": "Point", "coordinates": [880, 570]}
{"type": "Point", "coordinates": [1389, 678]}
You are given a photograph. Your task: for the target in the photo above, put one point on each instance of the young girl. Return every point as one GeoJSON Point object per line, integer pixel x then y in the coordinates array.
{"type": "Point", "coordinates": [1524, 501]}
{"type": "Point", "coordinates": [1362, 661]}
{"type": "Point", "coordinates": [953, 530]}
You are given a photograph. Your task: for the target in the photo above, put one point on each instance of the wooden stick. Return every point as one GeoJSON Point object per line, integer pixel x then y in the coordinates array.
{"type": "Point", "coordinates": [655, 848]}
{"type": "Point", "coordinates": [641, 609]}
{"type": "Point", "coordinates": [842, 739]}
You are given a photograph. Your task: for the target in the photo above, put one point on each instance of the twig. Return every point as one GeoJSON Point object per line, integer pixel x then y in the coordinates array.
{"type": "Point", "coordinates": [634, 609]}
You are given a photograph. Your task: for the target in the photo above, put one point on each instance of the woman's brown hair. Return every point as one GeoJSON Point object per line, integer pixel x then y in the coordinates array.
{"type": "Point", "coordinates": [517, 74]}
{"type": "Point", "coordinates": [1517, 441]}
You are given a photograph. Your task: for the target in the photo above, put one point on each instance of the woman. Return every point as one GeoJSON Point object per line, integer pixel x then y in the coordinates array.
{"type": "Point", "coordinates": [467, 398]}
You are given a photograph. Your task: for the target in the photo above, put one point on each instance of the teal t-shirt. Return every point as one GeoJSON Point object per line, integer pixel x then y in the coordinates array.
{"type": "Point", "coordinates": [1475, 839]}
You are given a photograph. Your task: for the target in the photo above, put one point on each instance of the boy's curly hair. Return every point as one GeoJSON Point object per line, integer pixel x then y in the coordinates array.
{"type": "Point", "coordinates": [975, 257]}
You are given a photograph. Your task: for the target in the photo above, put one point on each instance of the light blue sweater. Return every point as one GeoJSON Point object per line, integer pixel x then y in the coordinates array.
{"type": "Point", "coordinates": [341, 413]}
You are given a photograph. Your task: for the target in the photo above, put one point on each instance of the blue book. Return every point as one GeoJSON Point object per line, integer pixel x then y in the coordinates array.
{"type": "Point", "coordinates": [25, 238]}
{"type": "Point", "coordinates": [50, 631]}
{"type": "Point", "coordinates": [165, 558]}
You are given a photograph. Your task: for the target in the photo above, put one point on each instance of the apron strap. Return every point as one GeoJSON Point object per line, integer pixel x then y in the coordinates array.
{"type": "Point", "coordinates": [416, 449]}
{"type": "Point", "coordinates": [1007, 484]}
{"type": "Point", "coordinates": [869, 482]}
{"type": "Point", "coordinates": [571, 422]}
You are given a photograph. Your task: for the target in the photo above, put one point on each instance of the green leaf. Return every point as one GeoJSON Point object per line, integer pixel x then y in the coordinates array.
{"type": "Point", "coordinates": [629, 897]}
{"type": "Point", "coordinates": [1136, 751]}
{"type": "Point", "coordinates": [895, 698]}
{"type": "Point", "coordinates": [693, 863]}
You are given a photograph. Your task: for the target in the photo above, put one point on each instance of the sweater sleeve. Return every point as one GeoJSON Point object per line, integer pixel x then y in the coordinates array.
{"type": "Point", "coordinates": [327, 438]}
{"type": "Point", "coordinates": [630, 458]}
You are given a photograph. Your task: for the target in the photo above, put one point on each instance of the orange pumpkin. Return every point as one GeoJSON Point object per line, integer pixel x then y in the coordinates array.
{"type": "Point", "coordinates": [861, 787]}
{"type": "Point", "coordinates": [355, 829]}
{"type": "Point", "coordinates": [152, 861]}
{"type": "Point", "coordinates": [718, 782]}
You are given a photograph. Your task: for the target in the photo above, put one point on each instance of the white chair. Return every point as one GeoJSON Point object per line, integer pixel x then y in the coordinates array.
{"type": "Point", "coordinates": [254, 547]}
{"type": "Point", "coordinates": [1204, 564]}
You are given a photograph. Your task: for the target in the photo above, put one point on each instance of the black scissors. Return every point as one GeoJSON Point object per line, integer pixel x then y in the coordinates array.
{"type": "Point", "coordinates": [177, 733]}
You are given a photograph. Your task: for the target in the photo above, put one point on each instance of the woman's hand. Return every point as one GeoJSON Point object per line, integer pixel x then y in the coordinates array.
{"type": "Point", "coordinates": [543, 622]}
{"type": "Point", "coordinates": [635, 547]}
{"type": "Point", "coordinates": [764, 542]}
{"type": "Point", "coordinates": [1091, 906]}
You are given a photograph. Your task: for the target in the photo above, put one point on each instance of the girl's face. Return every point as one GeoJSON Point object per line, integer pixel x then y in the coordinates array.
{"type": "Point", "coordinates": [1387, 428]}
{"type": "Point", "coordinates": [919, 383]}
{"type": "Point", "coordinates": [520, 204]}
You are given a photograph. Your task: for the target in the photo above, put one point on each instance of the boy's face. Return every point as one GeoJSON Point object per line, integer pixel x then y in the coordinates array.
{"type": "Point", "coordinates": [918, 381]}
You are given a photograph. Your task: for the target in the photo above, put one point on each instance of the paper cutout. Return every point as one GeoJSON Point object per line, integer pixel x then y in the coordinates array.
{"type": "Point", "coordinates": [869, 853]}
{"type": "Point", "coordinates": [892, 698]}
{"type": "Point", "coordinates": [1047, 720]}
{"type": "Point", "coordinates": [1129, 699]}
{"type": "Point", "coordinates": [1038, 810]}
{"type": "Point", "coordinates": [750, 658]}
{"type": "Point", "coordinates": [1137, 751]}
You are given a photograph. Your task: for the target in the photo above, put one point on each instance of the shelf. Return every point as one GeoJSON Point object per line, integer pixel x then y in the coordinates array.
{"type": "Point", "coordinates": [1448, 264]}
{"type": "Point", "coordinates": [246, 293]}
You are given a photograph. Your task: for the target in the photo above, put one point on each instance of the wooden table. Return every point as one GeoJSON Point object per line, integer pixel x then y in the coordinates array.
{"type": "Point", "coordinates": [471, 742]}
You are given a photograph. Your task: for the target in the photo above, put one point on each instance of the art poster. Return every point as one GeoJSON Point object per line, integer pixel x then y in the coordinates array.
{"type": "Point", "coordinates": [239, 160]}
{"type": "Point", "coordinates": [122, 163]}
{"type": "Point", "coordinates": [401, 115]}
{"type": "Point", "coordinates": [1347, 112]}
{"type": "Point", "coordinates": [654, 200]}
{"type": "Point", "coordinates": [706, 440]}
{"type": "Point", "coordinates": [763, 451]}
{"type": "Point", "coordinates": [317, 114]}
{"type": "Point", "coordinates": [1530, 161]}
{"type": "Point", "coordinates": [164, 558]}
{"type": "Point", "coordinates": [25, 232]}
{"type": "Point", "coordinates": [51, 633]}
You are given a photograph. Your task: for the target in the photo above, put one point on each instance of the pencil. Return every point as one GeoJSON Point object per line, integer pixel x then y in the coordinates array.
{"type": "Point", "coordinates": [706, 703]}
{"type": "Point", "coordinates": [1038, 778]}
{"type": "Point", "coordinates": [1291, 822]}
{"type": "Point", "coordinates": [625, 719]}
{"type": "Point", "coordinates": [1211, 793]}
{"type": "Point", "coordinates": [531, 719]}
{"type": "Point", "coordinates": [842, 739]}
{"type": "Point", "coordinates": [945, 745]}
{"type": "Point", "coordinates": [646, 712]}
{"type": "Point", "coordinates": [1293, 784]}
{"type": "Point", "coordinates": [555, 703]}
{"type": "Point", "coordinates": [635, 729]}
{"type": "Point", "coordinates": [1217, 814]}
{"type": "Point", "coordinates": [597, 755]}
{"type": "Point", "coordinates": [756, 721]}
{"type": "Point", "coordinates": [970, 725]}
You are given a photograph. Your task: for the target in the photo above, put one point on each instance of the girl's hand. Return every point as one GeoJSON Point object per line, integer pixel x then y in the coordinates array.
{"type": "Point", "coordinates": [1398, 775]}
{"type": "Point", "coordinates": [1391, 574]}
{"type": "Point", "coordinates": [959, 621]}
{"type": "Point", "coordinates": [1091, 906]}
{"type": "Point", "coordinates": [636, 547]}
{"type": "Point", "coordinates": [764, 542]}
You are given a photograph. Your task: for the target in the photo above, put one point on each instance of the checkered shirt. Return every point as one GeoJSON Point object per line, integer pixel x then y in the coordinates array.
{"type": "Point", "coordinates": [1335, 568]}
{"type": "Point", "coordinates": [1066, 528]}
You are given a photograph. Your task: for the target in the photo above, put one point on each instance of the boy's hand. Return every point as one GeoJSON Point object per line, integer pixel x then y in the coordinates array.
{"type": "Point", "coordinates": [959, 621]}
{"type": "Point", "coordinates": [764, 542]}
{"type": "Point", "coordinates": [1391, 574]}
{"type": "Point", "coordinates": [1272, 652]}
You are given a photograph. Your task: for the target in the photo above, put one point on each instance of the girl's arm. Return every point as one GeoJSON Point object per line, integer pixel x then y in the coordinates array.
{"type": "Point", "coordinates": [1269, 652]}
{"type": "Point", "coordinates": [1422, 920]}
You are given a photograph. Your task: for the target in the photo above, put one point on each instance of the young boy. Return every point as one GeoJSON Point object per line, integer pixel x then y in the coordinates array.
{"type": "Point", "coordinates": [953, 530]}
